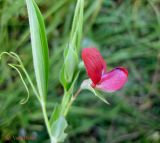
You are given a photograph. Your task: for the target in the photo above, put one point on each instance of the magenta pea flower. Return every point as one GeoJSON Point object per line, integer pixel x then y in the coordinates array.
{"type": "Point", "coordinates": [100, 78]}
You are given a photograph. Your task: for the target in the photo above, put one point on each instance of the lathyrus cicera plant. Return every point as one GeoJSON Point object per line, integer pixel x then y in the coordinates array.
{"type": "Point", "coordinates": [99, 77]}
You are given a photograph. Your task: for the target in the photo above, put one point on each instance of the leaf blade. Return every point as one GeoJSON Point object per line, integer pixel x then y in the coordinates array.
{"type": "Point", "coordinates": [39, 46]}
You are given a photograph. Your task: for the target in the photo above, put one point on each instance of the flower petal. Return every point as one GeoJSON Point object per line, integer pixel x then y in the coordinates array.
{"type": "Point", "coordinates": [94, 63]}
{"type": "Point", "coordinates": [113, 80]}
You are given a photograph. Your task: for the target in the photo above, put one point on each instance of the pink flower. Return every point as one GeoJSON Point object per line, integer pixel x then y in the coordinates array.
{"type": "Point", "coordinates": [97, 71]}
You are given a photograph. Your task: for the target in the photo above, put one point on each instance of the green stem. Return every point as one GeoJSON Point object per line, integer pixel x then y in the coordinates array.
{"type": "Point", "coordinates": [71, 101]}
{"type": "Point", "coordinates": [43, 106]}
{"type": "Point", "coordinates": [64, 102]}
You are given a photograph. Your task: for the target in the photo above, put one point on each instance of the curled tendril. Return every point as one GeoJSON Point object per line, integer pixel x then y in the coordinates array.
{"type": "Point", "coordinates": [9, 54]}
{"type": "Point", "coordinates": [14, 66]}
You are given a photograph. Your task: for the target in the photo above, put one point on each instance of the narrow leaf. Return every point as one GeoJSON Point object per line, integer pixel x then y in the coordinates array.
{"type": "Point", "coordinates": [77, 25]}
{"type": "Point", "coordinates": [39, 46]}
{"type": "Point", "coordinates": [71, 52]}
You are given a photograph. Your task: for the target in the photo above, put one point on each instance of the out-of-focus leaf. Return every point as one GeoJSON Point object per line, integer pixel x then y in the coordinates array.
{"type": "Point", "coordinates": [39, 46]}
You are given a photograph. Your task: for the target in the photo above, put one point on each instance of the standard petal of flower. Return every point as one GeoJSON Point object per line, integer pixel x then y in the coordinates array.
{"type": "Point", "coordinates": [113, 80]}
{"type": "Point", "coordinates": [94, 63]}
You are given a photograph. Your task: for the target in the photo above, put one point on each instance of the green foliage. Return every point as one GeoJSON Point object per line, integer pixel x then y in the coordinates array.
{"type": "Point", "coordinates": [70, 66]}
{"type": "Point", "coordinates": [126, 32]}
{"type": "Point", "coordinates": [39, 46]}
{"type": "Point", "coordinates": [71, 52]}
{"type": "Point", "coordinates": [16, 67]}
{"type": "Point", "coordinates": [77, 25]}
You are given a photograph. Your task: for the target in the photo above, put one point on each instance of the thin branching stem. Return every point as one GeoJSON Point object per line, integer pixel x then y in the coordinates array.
{"type": "Point", "coordinates": [71, 101]}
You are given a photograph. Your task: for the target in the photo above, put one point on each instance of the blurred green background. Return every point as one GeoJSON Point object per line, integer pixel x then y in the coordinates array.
{"type": "Point", "coordinates": [127, 32]}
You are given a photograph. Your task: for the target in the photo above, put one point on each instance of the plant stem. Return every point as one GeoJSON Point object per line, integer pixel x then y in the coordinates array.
{"type": "Point", "coordinates": [76, 94]}
{"type": "Point", "coordinates": [71, 101]}
{"type": "Point", "coordinates": [43, 106]}
{"type": "Point", "coordinates": [47, 121]}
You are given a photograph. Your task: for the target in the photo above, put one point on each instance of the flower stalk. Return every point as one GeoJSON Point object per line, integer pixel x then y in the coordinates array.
{"type": "Point", "coordinates": [73, 98]}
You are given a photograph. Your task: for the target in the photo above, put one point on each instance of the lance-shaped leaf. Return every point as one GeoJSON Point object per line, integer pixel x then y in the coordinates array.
{"type": "Point", "coordinates": [77, 25]}
{"type": "Point", "coordinates": [71, 59]}
{"type": "Point", "coordinates": [39, 46]}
